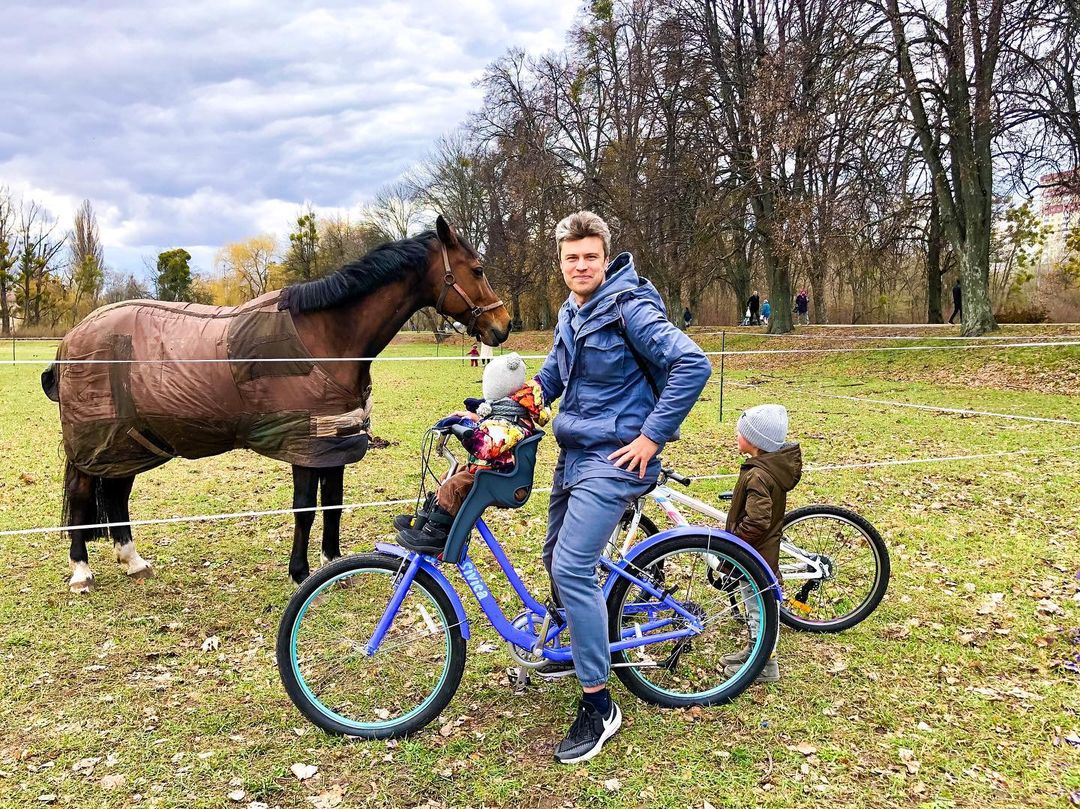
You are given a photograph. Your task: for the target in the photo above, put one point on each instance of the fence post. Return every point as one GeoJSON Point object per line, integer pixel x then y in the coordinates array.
{"type": "Point", "coordinates": [723, 349]}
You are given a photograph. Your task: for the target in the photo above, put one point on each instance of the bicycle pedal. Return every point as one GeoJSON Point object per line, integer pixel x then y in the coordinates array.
{"type": "Point", "coordinates": [800, 606]}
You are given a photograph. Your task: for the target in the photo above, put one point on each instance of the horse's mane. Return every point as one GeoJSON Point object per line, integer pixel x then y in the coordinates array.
{"type": "Point", "coordinates": [379, 266]}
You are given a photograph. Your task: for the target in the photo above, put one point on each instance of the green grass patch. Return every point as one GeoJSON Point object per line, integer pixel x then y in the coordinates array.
{"type": "Point", "coordinates": [947, 696]}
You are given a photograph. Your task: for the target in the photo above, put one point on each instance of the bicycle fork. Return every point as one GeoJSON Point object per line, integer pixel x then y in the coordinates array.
{"type": "Point", "coordinates": [403, 584]}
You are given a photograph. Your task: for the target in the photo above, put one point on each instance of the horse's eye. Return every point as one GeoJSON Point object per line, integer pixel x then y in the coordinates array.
{"type": "Point", "coordinates": [478, 270]}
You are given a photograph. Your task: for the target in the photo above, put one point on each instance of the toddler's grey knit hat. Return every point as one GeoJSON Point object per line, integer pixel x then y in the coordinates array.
{"type": "Point", "coordinates": [764, 426]}
{"type": "Point", "coordinates": [503, 376]}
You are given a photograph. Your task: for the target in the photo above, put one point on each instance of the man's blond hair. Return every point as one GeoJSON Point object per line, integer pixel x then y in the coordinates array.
{"type": "Point", "coordinates": [581, 225]}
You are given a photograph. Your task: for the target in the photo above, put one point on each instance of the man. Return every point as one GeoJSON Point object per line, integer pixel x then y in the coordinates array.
{"type": "Point", "coordinates": [802, 307]}
{"type": "Point", "coordinates": [612, 332]}
{"type": "Point", "coordinates": [958, 308]}
{"type": "Point", "coordinates": [752, 305]}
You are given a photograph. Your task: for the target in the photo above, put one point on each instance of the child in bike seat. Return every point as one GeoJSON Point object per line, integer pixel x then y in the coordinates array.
{"type": "Point", "coordinates": [759, 500]}
{"type": "Point", "coordinates": [511, 410]}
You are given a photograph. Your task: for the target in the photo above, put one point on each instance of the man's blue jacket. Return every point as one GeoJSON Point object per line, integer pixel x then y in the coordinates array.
{"type": "Point", "coordinates": [606, 400]}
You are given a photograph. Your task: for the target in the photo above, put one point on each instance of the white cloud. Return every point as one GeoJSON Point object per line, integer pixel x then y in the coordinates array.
{"type": "Point", "coordinates": [198, 123]}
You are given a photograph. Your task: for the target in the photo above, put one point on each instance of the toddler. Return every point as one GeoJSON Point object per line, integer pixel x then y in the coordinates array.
{"type": "Point", "coordinates": [759, 501]}
{"type": "Point", "coordinates": [511, 410]}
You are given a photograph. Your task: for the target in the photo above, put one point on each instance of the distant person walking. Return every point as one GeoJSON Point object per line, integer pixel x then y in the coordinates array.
{"type": "Point", "coordinates": [958, 308]}
{"type": "Point", "coordinates": [766, 311]}
{"type": "Point", "coordinates": [487, 353]}
{"type": "Point", "coordinates": [754, 305]}
{"type": "Point", "coordinates": [474, 352]}
{"type": "Point", "coordinates": [687, 318]}
{"type": "Point", "coordinates": [802, 307]}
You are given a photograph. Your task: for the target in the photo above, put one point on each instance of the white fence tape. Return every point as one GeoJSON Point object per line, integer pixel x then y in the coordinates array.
{"type": "Point", "coordinates": [543, 356]}
{"type": "Point", "coordinates": [407, 501]}
{"type": "Point", "coordinates": [938, 409]}
{"type": "Point", "coordinates": [913, 405]}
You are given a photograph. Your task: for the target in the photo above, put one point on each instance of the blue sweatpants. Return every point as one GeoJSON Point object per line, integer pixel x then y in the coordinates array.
{"type": "Point", "coordinates": [581, 519]}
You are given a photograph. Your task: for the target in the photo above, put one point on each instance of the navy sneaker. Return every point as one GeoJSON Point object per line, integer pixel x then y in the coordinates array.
{"type": "Point", "coordinates": [588, 733]}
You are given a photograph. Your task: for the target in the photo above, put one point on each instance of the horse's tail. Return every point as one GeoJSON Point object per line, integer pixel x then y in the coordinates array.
{"type": "Point", "coordinates": [96, 511]}
{"type": "Point", "coordinates": [50, 382]}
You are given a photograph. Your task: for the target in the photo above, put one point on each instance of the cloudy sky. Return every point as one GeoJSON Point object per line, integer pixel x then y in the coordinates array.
{"type": "Point", "coordinates": [193, 124]}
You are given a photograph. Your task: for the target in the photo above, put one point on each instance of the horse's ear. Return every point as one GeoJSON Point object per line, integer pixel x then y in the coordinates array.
{"type": "Point", "coordinates": [446, 232]}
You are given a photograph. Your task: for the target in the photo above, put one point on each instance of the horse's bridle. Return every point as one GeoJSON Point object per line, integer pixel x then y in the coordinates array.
{"type": "Point", "coordinates": [449, 282]}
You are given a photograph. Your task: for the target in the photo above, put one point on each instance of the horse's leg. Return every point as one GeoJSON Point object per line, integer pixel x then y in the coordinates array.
{"type": "Point", "coordinates": [333, 484]}
{"type": "Point", "coordinates": [80, 501]}
{"type": "Point", "coordinates": [305, 490]}
{"type": "Point", "coordinates": [117, 493]}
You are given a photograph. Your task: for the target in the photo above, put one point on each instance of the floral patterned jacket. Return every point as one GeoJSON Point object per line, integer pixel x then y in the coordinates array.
{"type": "Point", "coordinates": [495, 436]}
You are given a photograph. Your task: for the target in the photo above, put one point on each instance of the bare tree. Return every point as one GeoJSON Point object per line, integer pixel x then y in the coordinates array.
{"type": "Point", "coordinates": [449, 181]}
{"type": "Point", "coordinates": [86, 262]}
{"type": "Point", "coordinates": [8, 256]}
{"type": "Point", "coordinates": [395, 211]}
{"type": "Point", "coordinates": [957, 45]}
{"type": "Point", "coordinates": [38, 247]}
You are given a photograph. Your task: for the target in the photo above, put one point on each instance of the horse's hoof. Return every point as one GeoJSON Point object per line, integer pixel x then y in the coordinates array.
{"type": "Point", "coordinates": [144, 572]}
{"type": "Point", "coordinates": [82, 585]}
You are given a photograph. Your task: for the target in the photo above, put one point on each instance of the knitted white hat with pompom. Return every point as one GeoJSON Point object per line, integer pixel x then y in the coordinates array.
{"type": "Point", "coordinates": [503, 375]}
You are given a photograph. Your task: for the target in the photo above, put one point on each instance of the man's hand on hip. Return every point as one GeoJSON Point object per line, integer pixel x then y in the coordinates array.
{"type": "Point", "coordinates": [636, 455]}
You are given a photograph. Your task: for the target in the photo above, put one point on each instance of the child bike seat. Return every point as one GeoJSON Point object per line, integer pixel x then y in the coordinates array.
{"type": "Point", "coordinates": [509, 489]}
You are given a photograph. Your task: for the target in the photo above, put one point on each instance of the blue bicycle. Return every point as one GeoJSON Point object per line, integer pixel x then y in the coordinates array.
{"type": "Point", "coordinates": [374, 645]}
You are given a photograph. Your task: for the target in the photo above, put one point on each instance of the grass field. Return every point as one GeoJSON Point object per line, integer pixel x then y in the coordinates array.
{"type": "Point", "coordinates": [962, 689]}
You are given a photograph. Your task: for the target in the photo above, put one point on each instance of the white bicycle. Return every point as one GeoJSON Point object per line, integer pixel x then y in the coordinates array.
{"type": "Point", "coordinates": [833, 563]}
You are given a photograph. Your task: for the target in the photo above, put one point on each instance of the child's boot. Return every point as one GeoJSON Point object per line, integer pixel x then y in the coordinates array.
{"type": "Point", "coordinates": [771, 672]}
{"type": "Point", "coordinates": [431, 537]}
{"type": "Point", "coordinates": [403, 522]}
{"type": "Point", "coordinates": [736, 658]}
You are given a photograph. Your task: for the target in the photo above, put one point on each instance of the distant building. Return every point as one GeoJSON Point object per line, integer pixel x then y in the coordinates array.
{"type": "Point", "coordinates": [1059, 207]}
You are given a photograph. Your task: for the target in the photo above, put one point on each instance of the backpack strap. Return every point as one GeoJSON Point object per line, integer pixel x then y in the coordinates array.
{"type": "Point", "coordinates": [642, 363]}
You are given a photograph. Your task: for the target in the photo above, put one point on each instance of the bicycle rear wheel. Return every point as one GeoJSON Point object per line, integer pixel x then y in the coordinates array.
{"type": "Point", "coordinates": [854, 561]}
{"type": "Point", "coordinates": [701, 573]}
{"type": "Point", "coordinates": [327, 671]}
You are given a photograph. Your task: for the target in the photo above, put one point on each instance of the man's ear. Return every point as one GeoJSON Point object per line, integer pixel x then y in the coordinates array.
{"type": "Point", "coordinates": [446, 232]}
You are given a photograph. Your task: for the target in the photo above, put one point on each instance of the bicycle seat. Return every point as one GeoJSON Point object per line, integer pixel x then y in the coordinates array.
{"type": "Point", "coordinates": [509, 489]}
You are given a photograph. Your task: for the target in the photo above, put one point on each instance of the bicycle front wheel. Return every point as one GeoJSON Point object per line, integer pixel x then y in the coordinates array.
{"type": "Point", "coordinates": [835, 569]}
{"type": "Point", "coordinates": [326, 668]}
{"type": "Point", "coordinates": [726, 590]}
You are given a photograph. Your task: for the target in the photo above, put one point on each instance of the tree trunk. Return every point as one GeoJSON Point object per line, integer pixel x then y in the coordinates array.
{"type": "Point", "coordinates": [739, 273]}
{"type": "Point", "coordinates": [817, 271]}
{"type": "Point", "coordinates": [933, 264]}
{"type": "Point", "coordinates": [974, 263]}
{"type": "Point", "coordinates": [5, 316]}
{"type": "Point", "coordinates": [779, 279]}
{"type": "Point", "coordinates": [933, 282]}
{"type": "Point", "coordinates": [515, 311]}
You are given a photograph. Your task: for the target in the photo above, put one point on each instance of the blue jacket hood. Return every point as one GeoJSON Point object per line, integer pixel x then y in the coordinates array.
{"type": "Point", "coordinates": [622, 277]}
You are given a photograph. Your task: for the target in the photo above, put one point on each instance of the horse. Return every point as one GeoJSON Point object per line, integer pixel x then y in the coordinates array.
{"type": "Point", "coordinates": [187, 380]}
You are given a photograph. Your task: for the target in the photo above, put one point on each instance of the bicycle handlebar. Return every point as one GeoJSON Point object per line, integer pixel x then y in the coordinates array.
{"type": "Point", "coordinates": [671, 474]}
{"type": "Point", "coordinates": [461, 431]}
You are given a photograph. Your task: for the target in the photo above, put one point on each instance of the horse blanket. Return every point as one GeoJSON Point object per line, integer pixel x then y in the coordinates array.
{"type": "Point", "coordinates": [119, 419]}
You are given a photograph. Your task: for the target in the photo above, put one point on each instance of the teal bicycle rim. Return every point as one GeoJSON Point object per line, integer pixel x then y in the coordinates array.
{"type": "Point", "coordinates": [757, 644]}
{"type": "Point", "coordinates": [361, 726]}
